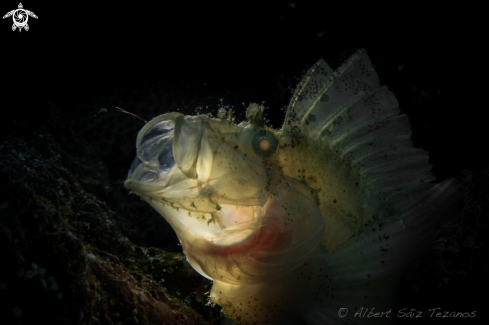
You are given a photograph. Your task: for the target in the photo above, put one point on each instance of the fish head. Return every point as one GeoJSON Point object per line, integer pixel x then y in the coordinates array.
{"type": "Point", "coordinates": [239, 219]}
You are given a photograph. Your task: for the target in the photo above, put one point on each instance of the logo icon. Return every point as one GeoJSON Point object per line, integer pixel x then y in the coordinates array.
{"type": "Point", "coordinates": [20, 17]}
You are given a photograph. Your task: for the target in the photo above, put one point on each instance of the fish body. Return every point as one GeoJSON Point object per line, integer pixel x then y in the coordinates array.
{"type": "Point", "coordinates": [293, 225]}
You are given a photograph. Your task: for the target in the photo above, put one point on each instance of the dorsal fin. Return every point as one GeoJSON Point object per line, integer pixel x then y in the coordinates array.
{"type": "Point", "coordinates": [348, 112]}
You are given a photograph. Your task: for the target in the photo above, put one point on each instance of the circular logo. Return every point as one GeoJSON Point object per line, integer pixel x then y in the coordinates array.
{"type": "Point", "coordinates": [20, 17]}
{"type": "Point", "coordinates": [343, 312]}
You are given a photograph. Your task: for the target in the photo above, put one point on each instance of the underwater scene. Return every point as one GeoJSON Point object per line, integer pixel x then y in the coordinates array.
{"type": "Point", "coordinates": [242, 164]}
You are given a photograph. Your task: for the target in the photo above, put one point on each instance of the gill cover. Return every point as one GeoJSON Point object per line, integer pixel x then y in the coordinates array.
{"type": "Point", "coordinates": [239, 220]}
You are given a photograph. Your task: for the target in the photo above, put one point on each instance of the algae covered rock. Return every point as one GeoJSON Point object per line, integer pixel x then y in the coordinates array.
{"type": "Point", "coordinates": [64, 247]}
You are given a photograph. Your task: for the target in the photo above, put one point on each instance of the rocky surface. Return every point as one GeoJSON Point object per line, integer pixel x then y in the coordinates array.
{"type": "Point", "coordinates": [64, 247]}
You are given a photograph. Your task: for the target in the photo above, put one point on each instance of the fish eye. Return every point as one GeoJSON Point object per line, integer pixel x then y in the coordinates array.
{"type": "Point", "coordinates": [264, 143]}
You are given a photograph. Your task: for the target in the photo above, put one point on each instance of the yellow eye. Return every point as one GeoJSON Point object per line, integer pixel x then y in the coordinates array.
{"type": "Point", "coordinates": [264, 143]}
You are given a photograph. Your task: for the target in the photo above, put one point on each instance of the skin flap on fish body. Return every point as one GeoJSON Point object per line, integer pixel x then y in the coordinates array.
{"type": "Point", "coordinates": [294, 224]}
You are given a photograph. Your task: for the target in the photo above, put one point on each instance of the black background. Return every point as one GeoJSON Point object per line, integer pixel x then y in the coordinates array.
{"type": "Point", "coordinates": [153, 57]}
{"type": "Point", "coordinates": [85, 56]}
